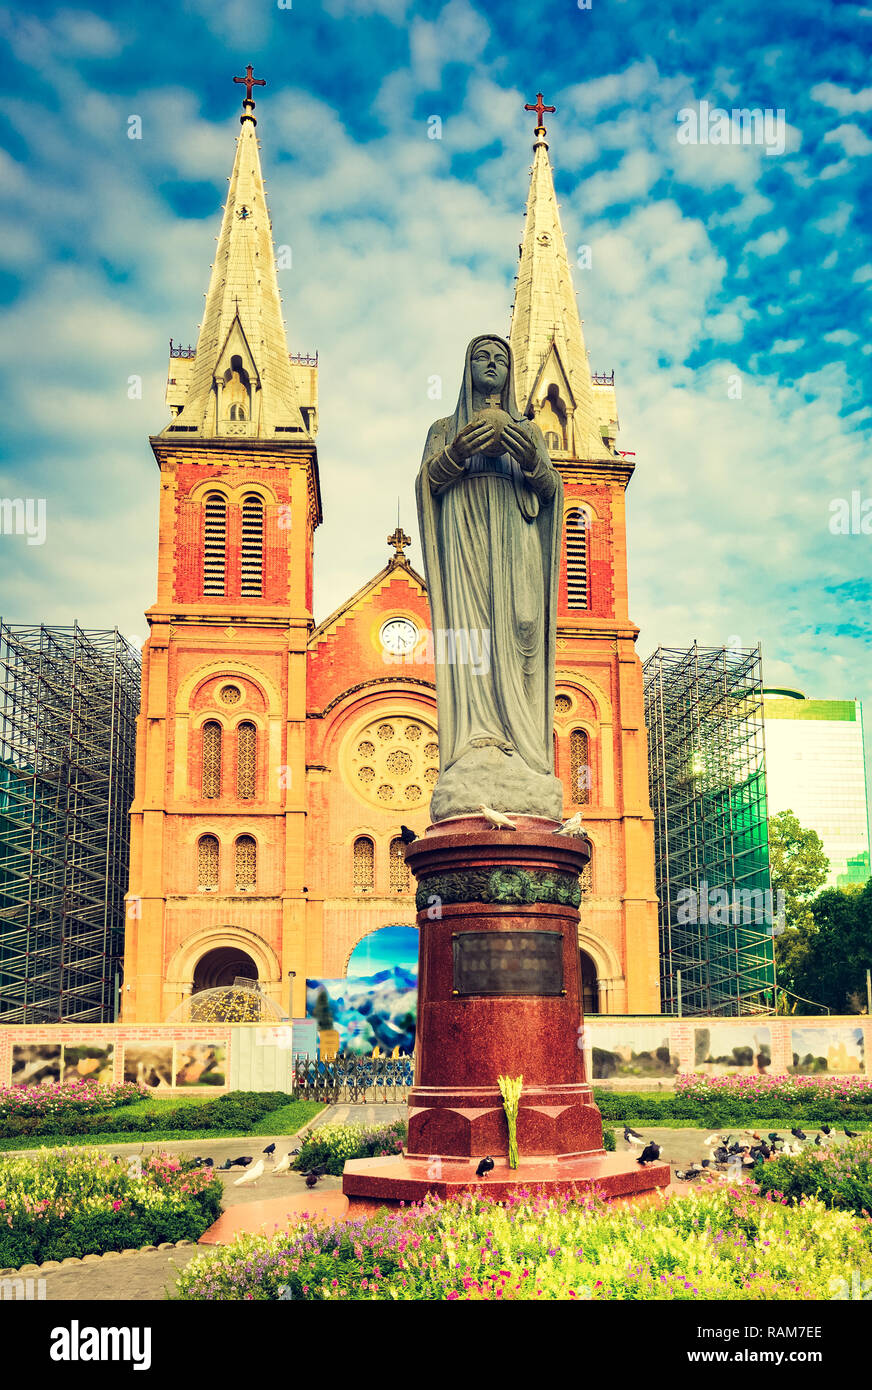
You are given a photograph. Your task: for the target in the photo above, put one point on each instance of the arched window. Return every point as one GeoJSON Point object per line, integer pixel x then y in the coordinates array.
{"type": "Point", "coordinates": [246, 761]}
{"type": "Point", "coordinates": [212, 758]}
{"type": "Point", "coordinates": [586, 880]}
{"type": "Point", "coordinates": [252, 547]}
{"type": "Point", "coordinates": [237, 412]}
{"type": "Point", "coordinates": [364, 863]}
{"type": "Point", "coordinates": [214, 544]}
{"type": "Point", "coordinates": [207, 861]}
{"type": "Point", "coordinates": [579, 767]}
{"type": "Point", "coordinates": [399, 869]}
{"type": "Point", "coordinates": [246, 863]}
{"type": "Point", "coordinates": [552, 440]}
{"type": "Point", "coordinates": [577, 525]}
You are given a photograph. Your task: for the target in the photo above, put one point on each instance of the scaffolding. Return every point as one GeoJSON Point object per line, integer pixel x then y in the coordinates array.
{"type": "Point", "coordinates": [68, 705]}
{"type": "Point", "coordinates": [707, 775]}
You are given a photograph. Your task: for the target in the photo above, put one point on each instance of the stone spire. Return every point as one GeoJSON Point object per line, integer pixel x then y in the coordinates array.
{"type": "Point", "coordinates": [241, 381]}
{"type": "Point", "coordinates": [551, 362]}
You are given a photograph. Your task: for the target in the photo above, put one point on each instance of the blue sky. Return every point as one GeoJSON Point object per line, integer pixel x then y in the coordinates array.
{"type": "Point", "coordinates": [708, 264]}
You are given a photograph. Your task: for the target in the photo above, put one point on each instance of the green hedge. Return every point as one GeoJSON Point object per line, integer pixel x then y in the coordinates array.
{"type": "Point", "coordinates": [659, 1108]}
{"type": "Point", "coordinates": [237, 1110]}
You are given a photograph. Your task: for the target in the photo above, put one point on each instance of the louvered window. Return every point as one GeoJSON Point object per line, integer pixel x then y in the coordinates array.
{"type": "Point", "coordinates": [207, 861]}
{"type": "Point", "coordinates": [586, 880]}
{"type": "Point", "coordinates": [252, 547]}
{"type": "Point", "coordinates": [215, 544]}
{"type": "Point", "coordinates": [246, 761]}
{"type": "Point", "coordinates": [579, 767]}
{"type": "Point", "coordinates": [577, 523]}
{"type": "Point", "coordinates": [364, 863]}
{"type": "Point", "coordinates": [212, 759]}
{"type": "Point", "coordinates": [246, 862]}
{"type": "Point", "coordinates": [399, 869]}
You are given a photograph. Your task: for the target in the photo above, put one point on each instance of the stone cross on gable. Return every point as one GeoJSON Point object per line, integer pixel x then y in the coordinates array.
{"type": "Point", "coordinates": [399, 540]}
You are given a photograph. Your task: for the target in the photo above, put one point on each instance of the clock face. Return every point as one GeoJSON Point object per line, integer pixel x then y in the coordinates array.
{"type": "Point", "coordinates": [398, 636]}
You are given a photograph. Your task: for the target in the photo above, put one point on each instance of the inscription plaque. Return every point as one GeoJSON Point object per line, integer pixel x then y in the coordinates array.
{"type": "Point", "coordinates": [513, 962]}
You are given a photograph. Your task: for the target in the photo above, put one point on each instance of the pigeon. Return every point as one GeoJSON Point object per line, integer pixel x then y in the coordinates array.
{"type": "Point", "coordinates": [851, 1133]}
{"type": "Point", "coordinates": [713, 1139]}
{"type": "Point", "coordinates": [649, 1154]}
{"type": "Point", "coordinates": [208, 1163]}
{"type": "Point", "coordinates": [631, 1136]}
{"type": "Point", "coordinates": [222, 1167]}
{"type": "Point", "coordinates": [798, 1134]}
{"type": "Point", "coordinates": [283, 1165]}
{"type": "Point", "coordinates": [270, 1149]}
{"type": "Point", "coordinates": [240, 1162]}
{"type": "Point", "coordinates": [484, 1167]}
{"type": "Point", "coordinates": [827, 1129]}
{"type": "Point", "coordinates": [573, 826]}
{"type": "Point", "coordinates": [313, 1175]}
{"type": "Point", "coordinates": [407, 836]}
{"type": "Point", "coordinates": [497, 819]}
{"type": "Point", "coordinates": [721, 1154]}
{"type": "Point", "coordinates": [295, 1151]}
{"type": "Point", "coordinates": [817, 1140]}
{"type": "Point", "coordinates": [250, 1175]}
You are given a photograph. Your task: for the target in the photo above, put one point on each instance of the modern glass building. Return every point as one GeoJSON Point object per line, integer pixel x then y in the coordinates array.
{"type": "Point", "coordinates": [816, 767]}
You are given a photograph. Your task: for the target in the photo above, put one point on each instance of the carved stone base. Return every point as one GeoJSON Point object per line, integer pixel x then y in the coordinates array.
{"type": "Point", "coordinates": [502, 781]}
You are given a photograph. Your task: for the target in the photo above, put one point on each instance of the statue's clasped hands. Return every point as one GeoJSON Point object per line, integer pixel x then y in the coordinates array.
{"type": "Point", "coordinates": [478, 435]}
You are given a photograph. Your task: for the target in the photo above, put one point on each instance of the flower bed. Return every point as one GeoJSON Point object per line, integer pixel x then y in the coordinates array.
{"type": "Point", "coordinates": [740, 1100]}
{"type": "Point", "coordinates": [67, 1098]}
{"type": "Point", "coordinates": [840, 1177]}
{"type": "Point", "coordinates": [238, 1110]}
{"type": "Point", "coordinates": [331, 1146]}
{"type": "Point", "coordinates": [719, 1243]}
{"type": "Point", "coordinates": [65, 1203]}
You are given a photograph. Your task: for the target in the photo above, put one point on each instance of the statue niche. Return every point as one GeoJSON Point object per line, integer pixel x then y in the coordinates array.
{"type": "Point", "coordinates": [235, 402]}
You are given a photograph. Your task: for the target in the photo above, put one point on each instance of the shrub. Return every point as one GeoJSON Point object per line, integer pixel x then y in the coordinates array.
{"type": "Point", "coordinates": [714, 1101]}
{"type": "Point", "coordinates": [64, 1203]}
{"type": "Point", "coordinates": [718, 1243]}
{"type": "Point", "coordinates": [609, 1140]}
{"type": "Point", "coordinates": [840, 1177]}
{"type": "Point", "coordinates": [331, 1146]}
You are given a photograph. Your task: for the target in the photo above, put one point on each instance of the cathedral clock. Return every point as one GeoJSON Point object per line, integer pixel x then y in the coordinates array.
{"type": "Point", "coordinates": [398, 636]}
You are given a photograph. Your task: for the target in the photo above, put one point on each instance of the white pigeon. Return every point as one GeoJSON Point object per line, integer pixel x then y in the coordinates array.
{"type": "Point", "coordinates": [283, 1165]}
{"type": "Point", "coordinates": [497, 819]}
{"type": "Point", "coordinates": [573, 826]}
{"type": "Point", "coordinates": [250, 1175]}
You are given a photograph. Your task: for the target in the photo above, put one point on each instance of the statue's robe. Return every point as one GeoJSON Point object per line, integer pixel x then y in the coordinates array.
{"type": "Point", "coordinates": [491, 538]}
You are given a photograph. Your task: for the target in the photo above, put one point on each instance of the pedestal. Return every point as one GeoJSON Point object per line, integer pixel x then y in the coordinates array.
{"type": "Point", "coordinates": [499, 993]}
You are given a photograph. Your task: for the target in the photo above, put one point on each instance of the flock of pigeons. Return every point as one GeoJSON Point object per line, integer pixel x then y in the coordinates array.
{"type": "Point", "coordinates": [499, 821]}
{"type": "Point", "coordinates": [729, 1155]}
{"type": "Point", "coordinates": [252, 1175]}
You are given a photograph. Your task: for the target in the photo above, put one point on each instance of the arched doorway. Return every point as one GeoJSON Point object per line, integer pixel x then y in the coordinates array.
{"type": "Point", "coordinates": [221, 966]}
{"type": "Point", "coordinates": [589, 985]}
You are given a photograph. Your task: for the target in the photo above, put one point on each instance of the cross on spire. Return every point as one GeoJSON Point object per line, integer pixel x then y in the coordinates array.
{"type": "Point", "coordinates": [250, 82]}
{"type": "Point", "coordinates": [540, 110]}
{"type": "Point", "coordinates": [399, 540]}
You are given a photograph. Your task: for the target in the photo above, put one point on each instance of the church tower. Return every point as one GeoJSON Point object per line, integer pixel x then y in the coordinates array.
{"type": "Point", "coordinates": [217, 886]}
{"type": "Point", "coordinates": [600, 737]}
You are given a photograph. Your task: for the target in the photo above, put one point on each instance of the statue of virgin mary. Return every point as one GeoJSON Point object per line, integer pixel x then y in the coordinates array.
{"type": "Point", "coordinates": [490, 505]}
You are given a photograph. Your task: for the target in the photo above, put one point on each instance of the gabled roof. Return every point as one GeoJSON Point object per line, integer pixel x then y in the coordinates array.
{"type": "Point", "coordinates": [397, 566]}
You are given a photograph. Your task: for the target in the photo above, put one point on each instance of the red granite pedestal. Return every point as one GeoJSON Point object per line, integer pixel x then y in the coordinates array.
{"type": "Point", "coordinates": [499, 993]}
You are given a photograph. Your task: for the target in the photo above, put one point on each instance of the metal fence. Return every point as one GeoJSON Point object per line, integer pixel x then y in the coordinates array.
{"type": "Point", "coordinates": [353, 1080]}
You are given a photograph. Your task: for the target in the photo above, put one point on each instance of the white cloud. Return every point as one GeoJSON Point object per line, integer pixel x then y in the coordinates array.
{"type": "Point", "coordinates": [852, 139]}
{"type": "Point", "coordinates": [842, 99]}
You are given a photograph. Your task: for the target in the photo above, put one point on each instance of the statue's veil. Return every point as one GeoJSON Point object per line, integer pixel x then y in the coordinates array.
{"type": "Point", "coordinates": [465, 407]}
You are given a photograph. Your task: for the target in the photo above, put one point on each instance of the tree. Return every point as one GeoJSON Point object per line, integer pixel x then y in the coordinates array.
{"type": "Point", "coordinates": [321, 1011]}
{"type": "Point", "coordinates": [797, 866]}
{"type": "Point", "coordinates": [826, 958]}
